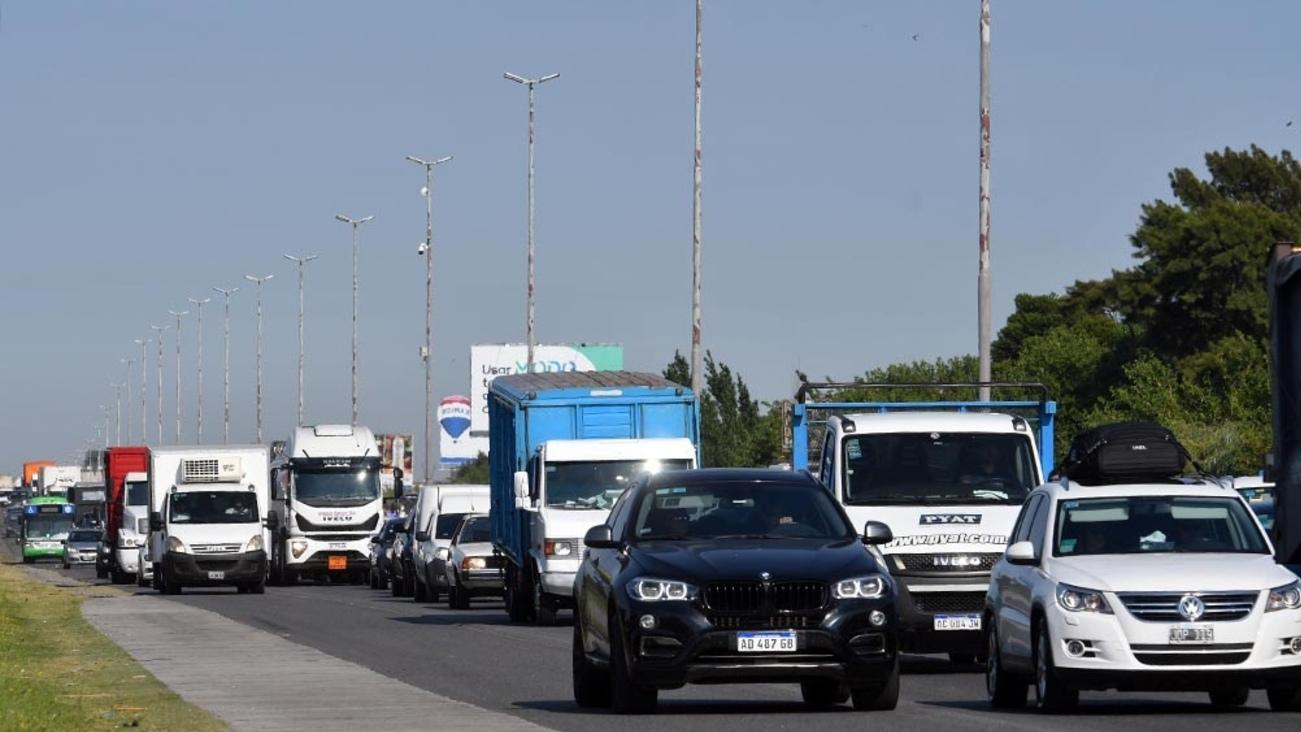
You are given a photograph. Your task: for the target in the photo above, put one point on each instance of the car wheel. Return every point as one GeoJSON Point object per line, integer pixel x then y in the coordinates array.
{"type": "Point", "coordinates": [591, 685]}
{"type": "Point", "coordinates": [259, 587]}
{"type": "Point", "coordinates": [1284, 700]}
{"type": "Point", "coordinates": [395, 587]}
{"type": "Point", "coordinates": [822, 693]}
{"type": "Point", "coordinates": [241, 589]}
{"type": "Point", "coordinates": [544, 613]}
{"type": "Point", "coordinates": [880, 697]}
{"type": "Point", "coordinates": [458, 597]}
{"type": "Point", "coordinates": [1051, 694]}
{"type": "Point", "coordinates": [1004, 690]}
{"type": "Point", "coordinates": [1230, 697]}
{"type": "Point", "coordinates": [626, 695]}
{"type": "Point", "coordinates": [374, 580]}
{"type": "Point", "coordinates": [419, 594]}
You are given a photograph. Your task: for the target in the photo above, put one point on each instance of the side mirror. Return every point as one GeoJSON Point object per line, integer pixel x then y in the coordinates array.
{"type": "Point", "coordinates": [273, 521]}
{"type": "Point", "coordinates": [422, 536]}
{"type": "Point", "coordinates": [155, 521]}
{"type": "Point", "coordinates": [875, 532]}
{"type": "Point", "coordinates": [600, 537]}
{"type": "Point", "coordinates": [1022, 553]}
{"type": "Point", "coordinates": [397, 482]}
{"type": "Point", "coordinates": [522, 489]}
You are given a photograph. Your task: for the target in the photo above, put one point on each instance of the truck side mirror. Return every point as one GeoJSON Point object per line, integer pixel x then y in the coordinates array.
{"type": "Point", "coordinates": [397, 482]}
{"type": "Point", "coordinates": [875, 532]}
{"type": "Point", "coordinates": [273, 521]}
{"type": "Point", "coordinates": [522, 489]}
{"type": "Point", "coordinates": [155, 521]}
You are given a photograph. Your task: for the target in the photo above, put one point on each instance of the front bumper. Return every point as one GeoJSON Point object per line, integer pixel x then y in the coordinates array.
{"type": "Point", "coordinates": [80, 557]}
{"type": "Point", "coordinates": [687, 646]}
{"type": "Point", "coordinates": [215, 569]}
{"type": "Point", "coordinates": [43, 552]}
{"type": "Point", "coordinates": [128, 560]}
{"type": "Point", "coordinates": [922, 598]}
{"type": "Point", "coordinates": [482, 581]}
{"type": "Point", "coordinates": [316, 557]}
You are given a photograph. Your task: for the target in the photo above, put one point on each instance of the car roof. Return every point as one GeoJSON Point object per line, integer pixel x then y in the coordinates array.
{"type": "Point", "coordinates": [729, 475]}
{"type": "Point", "coordinates": [1072, 490]}
{"type": "Point", "coordinates": [933, 421]}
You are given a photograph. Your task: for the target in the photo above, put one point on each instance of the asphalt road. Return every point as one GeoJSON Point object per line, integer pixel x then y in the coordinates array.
{"type": "Point", "coordinates": [477, 656]}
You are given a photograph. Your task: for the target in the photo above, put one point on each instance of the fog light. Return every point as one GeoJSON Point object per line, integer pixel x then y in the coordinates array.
{"type": "Point", "coordinates": [647, 622]}
{"type": "Point", "coordinates": [1075, 648]}
{"type": "Point", "coordinates": [876, 618]}
{"type": "Point", "coordinates": [1296, 645]}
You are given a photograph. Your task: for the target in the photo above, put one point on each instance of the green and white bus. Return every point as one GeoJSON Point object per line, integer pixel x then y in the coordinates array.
{"type": "Point", "coordinates": [46, 521]}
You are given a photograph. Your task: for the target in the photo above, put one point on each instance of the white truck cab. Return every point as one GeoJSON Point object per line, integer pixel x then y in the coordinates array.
{"type": "Point", "coordinates": [135, 522]}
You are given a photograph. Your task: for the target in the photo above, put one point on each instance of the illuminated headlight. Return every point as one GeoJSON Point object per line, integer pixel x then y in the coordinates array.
{"type": "Point", "coordinates": [656, 590]}
{"type": "Point", "coordinates": [1080, 600]}
{"type": "Point", "coordinates": [559, 548]}
{"type": "Point", "coordinates": [474, 563]}
{"type": "Point", "coordinates": [861, 588]}
{"type": "Point", "coordinates": [177, 546]}
{"type": "Point", "coordinates": [298, 548]}
{"type": "Point", "coordinates": [254, 544]}
{"type": "Point", "coordinates": [1287, 597]}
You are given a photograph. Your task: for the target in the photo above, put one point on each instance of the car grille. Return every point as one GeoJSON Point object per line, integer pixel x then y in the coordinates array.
{"type": "Point", "coordinates": [215, 548]}
{"type": "Point", "coordinates": [945, 562]}
{"type": "Point", "coordinates": [762, 622]}
{"type": "Point", "coordinates": [210, 565]}
{"type": "Point", "coordinates": [1163, 607]}
{"type": "Point", "coordinates": [749, 597]}
{"type": "Point", "coordinates": [949, 602]}
{"type": "Point", "coordinates": [1223, 654]}
{"type": "Point", "coordinates": [367, 525]}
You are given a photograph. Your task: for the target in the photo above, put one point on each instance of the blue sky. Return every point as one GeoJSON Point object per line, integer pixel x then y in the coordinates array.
{"type": "Point", "coordinates": [153, 150]}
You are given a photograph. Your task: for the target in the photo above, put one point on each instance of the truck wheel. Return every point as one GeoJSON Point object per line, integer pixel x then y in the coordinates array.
{"type": "Point", "coordinates": [100, 572]}
{"type": "Point", "coordinates": [117, 578]}
{"type": "Point", "coordinates": [544, 612]}
{"type": "Point", "coordinates": [277, 573]}
{"type": "Point", "coordinates": [516, 603]}
{"type": "Point", "coordinates": [171, 586]}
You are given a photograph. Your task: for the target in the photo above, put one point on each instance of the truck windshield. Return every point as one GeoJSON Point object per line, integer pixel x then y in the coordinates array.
{"type": "Point", "coordinates": [938, 467]}
{"type": "Point", "coordinates": [137, 494]}
{"type": "Point", "coordinates": [213, 507]}
{"type": "Point", "coordinates": [50, 526]}
{"type": "Point", "coordinates": [325, 487]}
{"type": "Point", "coordinates": [1155, 524]}
{"type": "Point", "coordinates": [596, 485]}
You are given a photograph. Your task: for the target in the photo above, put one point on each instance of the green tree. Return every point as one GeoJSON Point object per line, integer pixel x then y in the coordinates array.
{"type": "Point", "coordinates": [474, 472]}
{"type": "Point", "coordinates": [735, 429]}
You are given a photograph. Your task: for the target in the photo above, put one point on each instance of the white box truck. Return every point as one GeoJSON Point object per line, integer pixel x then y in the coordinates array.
{"type": "Point", "coordinates": [208, 517]}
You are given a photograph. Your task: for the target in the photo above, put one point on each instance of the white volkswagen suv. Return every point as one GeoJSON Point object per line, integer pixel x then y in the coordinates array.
{"type": "Point", "coordinates": [1141, 587]}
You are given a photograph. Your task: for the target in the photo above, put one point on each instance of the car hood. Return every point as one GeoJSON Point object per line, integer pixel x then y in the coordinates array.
{"type": "Point", "coordinates": [1173, 572]}
{"type": "Point", "coordinates": [84, 546]}
{"type": "Point", "coordinates": [783, 559]}
{"type": "Point", "coordinates": [475, 549]}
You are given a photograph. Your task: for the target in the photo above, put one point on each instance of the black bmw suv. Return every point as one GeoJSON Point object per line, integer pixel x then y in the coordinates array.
{"type": "Point", "coordinates": [733, 576]}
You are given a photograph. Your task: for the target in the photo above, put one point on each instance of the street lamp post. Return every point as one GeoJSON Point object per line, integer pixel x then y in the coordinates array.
{"type": "Point", "coordinates": [355, 223]}
{"type": "Point", "coordinates": [128, 362]}
{"type": "Point", "coordinates": [158, 336]}
{"type": "Point", "coordinates": [198, 304]}
{"type": "Point", "coordinates": [178, 315]}
{"type": "Point", "coordinates": [427, 352]}
{"type": "Point", "coordinates": [530, 83]}
{"type": "Point", "coordinates": [117, 413]}
{"type": "Point", "coordinates": [104, 408]}
{"type": "Point", "coordinates": [258, 281]}
{"type": "Point", "coordinates": [302, 265]}
{"type": "Point", "coordinates": [144, 387]}
{"type": "Point", "coordinates": [225, 423]}
{"type": "Point", "coordinates": [697, 363]}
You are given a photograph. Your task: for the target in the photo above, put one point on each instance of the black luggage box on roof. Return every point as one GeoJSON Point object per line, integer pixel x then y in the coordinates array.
{"type": "Point", "coordinates": [1123, 452]}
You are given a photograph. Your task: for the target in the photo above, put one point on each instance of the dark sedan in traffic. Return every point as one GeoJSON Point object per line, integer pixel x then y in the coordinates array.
{"type": "Point", "coordinates": [733, 576]}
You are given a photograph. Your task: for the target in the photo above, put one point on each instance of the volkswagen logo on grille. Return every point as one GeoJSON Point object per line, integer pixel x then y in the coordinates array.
{"type": "Point", "coordinates": [1191, 607]}
{"type": "Point", "coordinates": [765, 576]}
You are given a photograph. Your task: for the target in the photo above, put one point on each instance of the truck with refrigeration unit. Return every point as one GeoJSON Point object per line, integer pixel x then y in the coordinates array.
{"type": "Point", "coordinates": [325, 493]}
{"type": "Point", "coordinates": [948, 476]}
{"type": "Point", "coordinates": [126, 483]}
{"type": "Point", "coordinates": [32, 472]}
{"type": "Point", "coordinates": [562, 448]}
{"type": "Point", "coordinates": [209, 523]}
{"type": "Point", "coordinates": [57, 479]}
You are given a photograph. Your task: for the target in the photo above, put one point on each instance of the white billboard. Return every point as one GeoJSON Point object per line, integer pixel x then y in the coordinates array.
{"type": "Point", "coordinates": [487, 362]}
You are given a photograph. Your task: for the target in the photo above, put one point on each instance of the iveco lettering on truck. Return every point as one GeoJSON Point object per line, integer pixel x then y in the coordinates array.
{"type": "Point", "coordinates": [208, 517]}
{"type": "Point", "coordinates": [564, 446]}
{"type": "Point", "coordinates": [947, 477]}
{"type": "Point", "coordinates": [326, 496]}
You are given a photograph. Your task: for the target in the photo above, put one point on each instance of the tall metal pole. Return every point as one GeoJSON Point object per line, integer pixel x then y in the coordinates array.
{"type": "Point", "coordinates": [530, 83]}
{"type": "Point", "coordinates": [258, 281]}
{"type": "Point", "coordinates": [117, 413]}
{"type": "Point", "coordinates": [355, 223]}
{"type": "Point", "coordinates": [178, 371]}
{"type": "Point", "coordinates": [225, 422]}
{"type": "Point", "coordinates": [697, 362]}
{"type": "Point", "coordinates": [427, 351]}
{"type": "Point", "coordinates": [158, 336]}
{"type": "Point", "coordinates": [302, 265]}
{"type": "Point", "coordinates": [144, 387]}
{"type": "Point", "coordinates": [104, 409]}
{"type": "Point", "coordinates": [983, 287]}
{"type": "Point", "coordinates": [128, 362]}
{"type": "Point", "coordinates": [198, 304]}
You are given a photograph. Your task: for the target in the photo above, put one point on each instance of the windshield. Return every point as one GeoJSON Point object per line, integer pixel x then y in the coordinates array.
{"type": "Point", "coordinates": [477, 530]}
{"type": "Point", "coordinates": [352, 487]}
{"type": "Point", "coordinates": [1155, 524]}
{"type": "Point", "coordinates": [81, 535]}
{"type": "Point", "coordinates": [597, 485]}
{"type": "Point", "coordinates": [446, 525]}
{"type": "Point", "coordinates": [740, 510]}
{"type": "Point", "coordinates": [137, 494]}
{"type": "Point", "coordinates": [938, 467]}
{"type": "Point", "coordinates": [51, 526]}
{"type": "Point", "coordinates": [213, 507]}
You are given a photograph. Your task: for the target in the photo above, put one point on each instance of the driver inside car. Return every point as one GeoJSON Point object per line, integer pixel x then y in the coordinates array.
{"type": "Point", "coordinates": [983, 463]}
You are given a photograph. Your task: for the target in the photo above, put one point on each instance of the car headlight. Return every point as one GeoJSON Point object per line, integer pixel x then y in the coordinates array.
{"type": "Point", "coordinates": [254, 544]}
{"type": "Point", "coordinates": [474, 563]}
{"type": "Point", "coordinates": [1287, 597]}
{"type": "Point", "coordinates": [1080, 600]}
{"type": "Point", "coordinates": [861, 588]}
{"type": "Point", "coordinates": [443, 553]}
{"type": "Point", "coordinates": [177, 546]}
{"type": "Point", "coordinates": [297, 548]}
{"type": "Point", "coordinates": [647, 589]}
{"type": "Point", "coordinates": [559, 547]}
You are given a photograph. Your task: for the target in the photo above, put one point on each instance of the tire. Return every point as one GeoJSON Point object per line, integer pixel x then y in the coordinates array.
{"type": "Point", "coordinates": [241, 589]}
{"type": "Point", "coordinates": [626, 695]}
{"type": "Point", "coordinates": [170, 587]}
{"type": "Point", "coordinates": [964, 659]}
{"type": "Point", "coordinates": [100, 571]}
{"type": "Point", "coordinates": [879, 698]}
{"type": "Point", "coordinates": [29, 560]}
{"type": "Point", "coordinates": [591, 684]}
{"type": "Point", "coordinates": [67, 566]}
{"type": "Point", "coordinates": [515, 604]}
{"type": "Point", "coordinates": [1005, 691]}
{"type": "Point", "coordinates": [141, 581]}
{"type": "Point", "coordinates": [544, 613]}
{"type": "Point", "coordinates": [823, 693]}
{"type": "Point", "coordinates": [1284, 700]}
{"type": "Point", "coordinates": [419, 595]}
{"type": "Point", "coordinates": [258, 588]}
{"type": "Point", "coordinates": [395, 586]}
{"type": "Point", "coordinates": [1051, 694]}
{"type": "Point", "coordinates": [1230, 697]}
{"type": "Point", "coordinates": [457, 597]}
{"type": "Point", "coordinates": [118, 578]}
